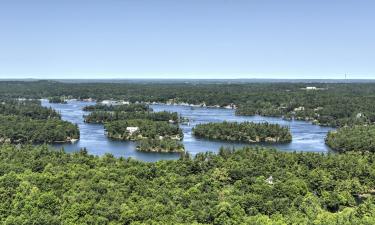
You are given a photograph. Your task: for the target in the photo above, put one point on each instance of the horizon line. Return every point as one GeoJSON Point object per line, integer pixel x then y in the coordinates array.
{"type": "Point", "coordinates": [163, 78]}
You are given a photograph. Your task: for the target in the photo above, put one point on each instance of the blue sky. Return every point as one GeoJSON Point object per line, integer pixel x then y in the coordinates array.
{"type": "Point", "coordinates": [187, 39]}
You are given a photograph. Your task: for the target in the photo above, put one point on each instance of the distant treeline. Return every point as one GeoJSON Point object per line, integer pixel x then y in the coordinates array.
{"type": "Point", "coordinates": [330, 104]}
{"type": "Point", "coordinates": [248, 132]}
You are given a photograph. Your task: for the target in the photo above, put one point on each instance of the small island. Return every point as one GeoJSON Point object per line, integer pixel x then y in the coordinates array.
{"type": "Point", "coordinates": [353, 138]}
{"type": "Point", "coordinates": [108, 116]}
{"type": "Point", "coordinates": [247, 132]}
{"type": "Point", "coordinates": [151, 136]}
{"type": "Point", "coordinates": [153, 131]}
{"type": "Point", "coordinates": [100, 113]}
{"type": "Point", "coordinates": [138, 129]}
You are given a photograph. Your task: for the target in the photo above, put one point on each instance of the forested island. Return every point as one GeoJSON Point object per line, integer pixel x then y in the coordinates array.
{"type": "Point", "coordinates": [247, 132]}
{"type": "Point", "coordinates": [101, 113]}
{"type": "Point", "coordinates": [247, 186]}
{"type": "Point", "coordinates": [108, 116]}
{"type": "Point", "coordinates": [25, 121]}
{"type": "Point", "coordinates": [139, 129]}
{"type": "Point", "coordinates": [356, 138]}
{"type": "Point", "coordinates": [151, 136]}
{"type": "Point", "coordinates": [136, 107]}
{"type": "Point", "coordinates": [153, 131]}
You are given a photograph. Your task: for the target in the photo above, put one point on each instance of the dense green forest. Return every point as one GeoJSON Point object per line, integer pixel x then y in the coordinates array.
{"type": "Point", "coordinates": [39, 186]}
{"type": "Point", "coordinates": [18, 129]}
{"type": "Point", "coordinates": [122, 108]}
{"type": "Point", "coordinates": [356, 138]}
{"type": "Point", "coordinates": [248, 132]}
{"type": "Point", "coordinates": [332, 104]}
{"type": "Point", "coordinates": [101, 113]}
{"type": "Point", "coordinates": [25, 121]}
{"type": "Point", "coordinates": [151, 136]}
{"type": "Point", "coordinates": [27, 108]}
{"type": "Point", "coordinates": [107, 116]}
{"type": "Point", "coordinates": [160, 145]}
{"type": "Point", "coordinates": [145, 129]}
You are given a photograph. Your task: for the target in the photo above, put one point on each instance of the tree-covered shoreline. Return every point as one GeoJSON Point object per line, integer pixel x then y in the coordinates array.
{"type": "Point", "coordinates": [109, 116]}
{"type": "Point", "coordinates": [153, 131]}
{"type": "Point", "coordinates": [145, 129]}
{"type": "Point", "coordinates": [355, 138]}
{"type": "Point", "coordinates": [27, 108]}
{"type": "Point", "coordinates": [247, 132]}
{"type": "Point", "coordinates": [16, 129]}
{"type": "Point", "coordinates": [151, 136]}
{"type": "Point", "coordinates": [102, 113]}
{"type": "Point", "coordinates": [26, 121]}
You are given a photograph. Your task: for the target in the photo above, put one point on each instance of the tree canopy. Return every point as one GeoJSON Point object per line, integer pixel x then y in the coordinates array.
{"type": "Point", "coordinates": [108, 116]}
{"type": "Point", "coordinates": [243, 132]}
{"type": "Point", "coordinates": [247, 186]}
{"type": "Point", "coordinates": [123, 107]}
{"type": "Point", "coordinates": [355, 138]}
{"type": "Point", "coordinates": [26, 121]}
{"type": "Point", "coordinates": [145, 129]}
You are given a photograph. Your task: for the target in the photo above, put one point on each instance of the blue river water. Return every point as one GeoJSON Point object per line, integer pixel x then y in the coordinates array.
{"type": "Point", "coordinates": [306, 136]}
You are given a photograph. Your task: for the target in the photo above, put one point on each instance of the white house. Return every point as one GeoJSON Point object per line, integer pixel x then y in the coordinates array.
{"type": "Point", "coordinates": [124, 103]}
{"type": "Point", "coordinates": [269, 180]}
{"type": "Point", "coordinates": [301, 108]}
{"type": "Point", "coordinates": [131, 130]}
{"type": "Point", "coordinates": [107, 102]}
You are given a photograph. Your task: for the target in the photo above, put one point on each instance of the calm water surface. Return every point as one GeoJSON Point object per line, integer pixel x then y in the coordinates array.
{"type": "Point", "coordinates": [306, 137]}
